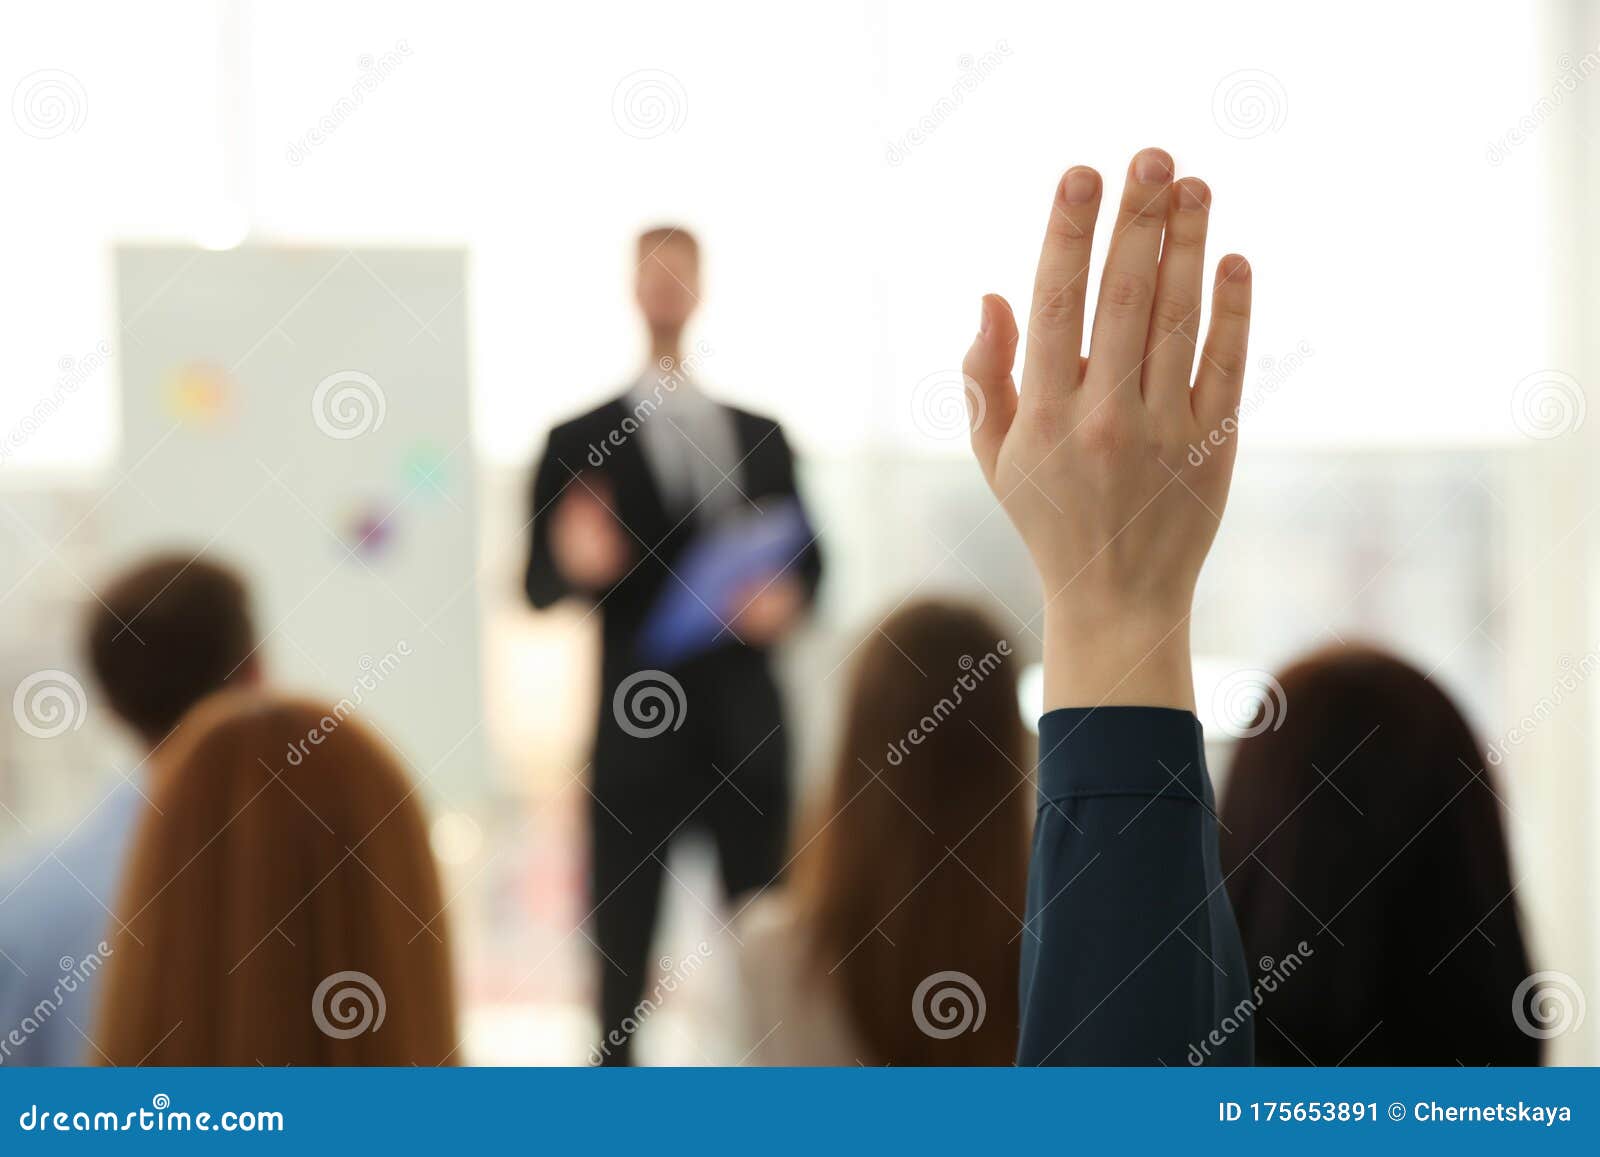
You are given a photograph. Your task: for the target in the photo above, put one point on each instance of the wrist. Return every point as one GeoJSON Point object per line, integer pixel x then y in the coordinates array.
{"type": "Point", "coordinates": [1136, 657]}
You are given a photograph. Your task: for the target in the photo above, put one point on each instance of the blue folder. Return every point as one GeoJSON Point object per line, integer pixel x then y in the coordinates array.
{"type": "Point", "coordinates": [733, 558]}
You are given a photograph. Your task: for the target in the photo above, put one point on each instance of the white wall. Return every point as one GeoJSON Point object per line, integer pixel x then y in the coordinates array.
{"type": "Point", "coordinates": [860, 174]}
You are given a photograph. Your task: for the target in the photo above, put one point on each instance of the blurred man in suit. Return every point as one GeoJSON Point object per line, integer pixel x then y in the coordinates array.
{"type": "Point", "coordinates": [619, 494]}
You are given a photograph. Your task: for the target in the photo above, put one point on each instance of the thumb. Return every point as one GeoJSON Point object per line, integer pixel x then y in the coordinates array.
{"type": "Point", "coordinates": [991, 394]}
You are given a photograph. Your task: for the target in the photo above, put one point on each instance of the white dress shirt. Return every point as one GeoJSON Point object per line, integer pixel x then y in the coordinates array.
{"type": "Point", "coordinates": [689, 443]}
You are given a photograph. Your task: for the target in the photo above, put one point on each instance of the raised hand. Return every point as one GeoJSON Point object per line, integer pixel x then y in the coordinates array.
{"type": "Point", "coordinates": [1115, 467]}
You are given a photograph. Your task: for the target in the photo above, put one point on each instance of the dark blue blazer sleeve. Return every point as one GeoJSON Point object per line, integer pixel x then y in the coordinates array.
{"type": "Point", "coordinates": [1130, 954]}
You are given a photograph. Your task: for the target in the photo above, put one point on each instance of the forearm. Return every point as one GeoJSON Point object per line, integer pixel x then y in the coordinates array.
{"type": "Point", "coordinates": [1137, 659]}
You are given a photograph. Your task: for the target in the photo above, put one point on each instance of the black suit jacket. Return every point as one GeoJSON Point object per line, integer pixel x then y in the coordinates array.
{"type": "Point", "coordinates": [599, 442]}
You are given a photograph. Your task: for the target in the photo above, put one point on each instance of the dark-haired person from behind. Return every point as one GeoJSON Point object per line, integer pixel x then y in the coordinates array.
{"type": "Point", "coordinates": [160, 637]}
{"type": "Point", "coordinates": [897, 940]}
{"type": "Point", "coordinates": [1366, 824]}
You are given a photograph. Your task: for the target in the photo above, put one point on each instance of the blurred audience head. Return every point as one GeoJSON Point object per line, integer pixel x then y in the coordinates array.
{"type": "Point", "coordinates": [916, 861]}
{"type": "Point", "coordinates": [279, 910]}
{"type": "Point", "coordinates": [164, 634]}
{"type": "Point", "coordinates": [1369, 872]}
{"type": "Point", "coordinates": [667, 284]}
